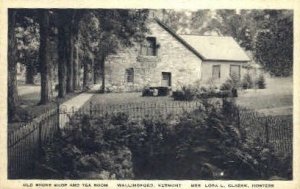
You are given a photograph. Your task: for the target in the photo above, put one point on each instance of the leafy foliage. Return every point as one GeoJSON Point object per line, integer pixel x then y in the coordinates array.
{"type": "Point", "coordinates": [187, 93]}
{"type": "Point", "coordinates": [267, 33]}
{"type": "Point", "coordinates": [261, 82]}
{"type": "Point", "coordinates": [230, 83]}
{"type": "Point", "coordinates": [205, 144]}
{"type": "Point", "coordinates": [247, 82]}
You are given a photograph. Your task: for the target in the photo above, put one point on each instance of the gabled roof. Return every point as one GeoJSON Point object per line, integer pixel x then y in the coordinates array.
{"type": "Point", "coordinates": [211, 48]}
{"type": "Point", "coordinates": [217, 47]}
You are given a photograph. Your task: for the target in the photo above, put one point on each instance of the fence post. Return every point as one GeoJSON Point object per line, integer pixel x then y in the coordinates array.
{"type": "Point", "coordinates": [40, 139]}
{"type": "Point", "coordinates": [267, 130]}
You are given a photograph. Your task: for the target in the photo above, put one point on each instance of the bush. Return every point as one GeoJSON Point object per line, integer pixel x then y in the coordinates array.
{"type": "Point", "coordinates": [261, 82]}
{"type": "Point", "coordinates": [232, 82]}
{"type": "Point", "coordinates": [187, 93]}
{"type": "Point", "coordinates": [204, 144]}
{"type": "Point", "coordinates": [247, 82]}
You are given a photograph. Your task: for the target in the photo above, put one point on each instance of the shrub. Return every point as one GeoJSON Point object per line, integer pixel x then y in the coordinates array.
{"type": "Point", "coordinates": [204, 144]}
{"type": "Point", "coordinates": [187, 93]}
{"type": "Point", "coordinates": [247, 82]}
{"type": "Point", "coordinates": [232, 82]}
{"type": "Point", "coordinates": [261, 82]}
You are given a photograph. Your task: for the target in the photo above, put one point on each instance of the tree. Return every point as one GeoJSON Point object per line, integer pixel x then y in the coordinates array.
{"type": "Point", "coordinates": [62, 61]}
{"type": "Point", "coordinates": [179, 21]}
{"type": "Point", "coordinates": [45, 63]}
{"type": "Point", "coordinates": [118, 28]}
{"type": "Point", "coordinates": [67, 24]}
{"type": "Point", "coordinates": [88, 36]}
{"type": "Point", "coordinates": [274, 43]}
{"type": "Point", "coordinates": [76, 66]}
{"type": "Point", "coordinates": [27, 34]}
{"type": "Point", "coordinates": [12, 73]}
{"type": "Point", "coordinates": [267, 33]}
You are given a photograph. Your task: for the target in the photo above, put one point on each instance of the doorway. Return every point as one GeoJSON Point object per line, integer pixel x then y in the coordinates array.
{"type": "Point", "coordinates": [166, 79]}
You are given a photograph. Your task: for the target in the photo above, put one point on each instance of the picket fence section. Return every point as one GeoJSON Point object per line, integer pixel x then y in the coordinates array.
{"type": "Point", "coordinates": [25, 144]}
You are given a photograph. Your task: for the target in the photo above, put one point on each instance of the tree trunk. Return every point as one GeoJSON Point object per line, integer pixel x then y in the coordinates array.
{"type": "Point", "coordinates": [92, 71]}
{"type": "Point", "coordinates": [95, 75]}
{"type": "Point", "coordinates": [76, 68]}
{"type": "Point", "coordinates": [102, 63]}
{"type": "Point", "coordinates": [62, 64]}
{"type": "Point", "coordinates": [30, 72]}
{"type": "Point", "coordinates": [70, 69]}
{"type": "Point", "coordinates": [85, 74]}
{"type": "Point", "coordinates": [12, 72]}
{"type": "Point", "coordinates": [45, 63]}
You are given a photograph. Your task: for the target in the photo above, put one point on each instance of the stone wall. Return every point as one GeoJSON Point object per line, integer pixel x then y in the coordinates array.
{"type": "Point", "coordinates": [172, 56]}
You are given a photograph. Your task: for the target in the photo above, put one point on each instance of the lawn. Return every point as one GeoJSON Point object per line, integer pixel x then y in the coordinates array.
{"type": "Point", "coordinates": [276, 99]}
{"type": "Point", "coordinates": [136, 106]}
{"type": "Point", "coordinates": [125, 98]}
{"type": "Point", "coordinates": [29, 97]}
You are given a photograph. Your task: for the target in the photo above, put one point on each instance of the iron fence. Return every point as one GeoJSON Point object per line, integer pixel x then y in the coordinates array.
{"type": "Point", "coordinates": [24, 144]}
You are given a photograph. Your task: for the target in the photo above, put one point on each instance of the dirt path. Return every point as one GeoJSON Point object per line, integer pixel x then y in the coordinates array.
{"type": "Point", "coordinates": [28, 89]}
{"type": "Point", "coordinates": [73, 105]}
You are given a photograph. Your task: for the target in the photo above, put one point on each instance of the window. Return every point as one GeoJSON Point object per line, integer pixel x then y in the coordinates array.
{"type": "Point", "coordinates": [129, 74]}
{"type": "Point", "coordinates": [235, 71]}
{"type": "Point", "coordinates": [148, 48]}
{"type": "Point", "coordinates": [216, 72]}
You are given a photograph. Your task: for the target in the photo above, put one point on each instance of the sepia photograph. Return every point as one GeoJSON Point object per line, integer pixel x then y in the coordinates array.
{"type": "Point", "coordinates": [150, 94]}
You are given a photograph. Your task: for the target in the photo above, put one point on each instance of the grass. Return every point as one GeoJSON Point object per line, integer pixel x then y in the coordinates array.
{"type": "Point", "coordinates": [29, 104]}
{"type": "Point", "coordinates": [125, 98]}
{"type": "Point", "coordinates": [276, 99]}
{"type": "Point", "coordinates": [136, 106]}
{"type": "Point", "coordinates": [265, 101]}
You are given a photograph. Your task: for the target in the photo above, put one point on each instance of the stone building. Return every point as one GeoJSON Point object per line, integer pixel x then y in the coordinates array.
{"type": "Point", "coordinates": [169, 59]}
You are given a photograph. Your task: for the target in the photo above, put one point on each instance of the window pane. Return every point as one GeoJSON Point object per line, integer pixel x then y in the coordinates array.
{"type": "Point", "coordinates": [216, 72]}
{"type": "Point", "coordinates": [235, 71]}
{"type": "Point", "coordinates": [149, 48]}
